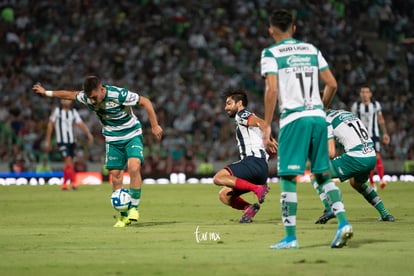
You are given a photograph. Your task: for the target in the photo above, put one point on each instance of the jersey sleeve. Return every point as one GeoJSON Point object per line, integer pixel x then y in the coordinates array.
{"type": "Point", "coordinates": [77, 117]}
{"type": "Point", "coordinates": [242, 117]}
{"type": "Point", "coordinates": [323, 64]}
{"type": "Point", "coordinates": [54, 115]}
{"type": "Point", "coordinates": [330, 131]}
{"type": "Point", "coordinates": [378, 107]}
{"type": "Point", "coordinates": [128, 98]}
{"type": "Point", "coordinates": [81, 98]}
{"type": "Point", "coordinates": [354, 108]}
{"type": "Point", "coordinates": [268, 63]}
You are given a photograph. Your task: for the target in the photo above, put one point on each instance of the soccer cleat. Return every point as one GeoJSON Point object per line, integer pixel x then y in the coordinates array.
{"type": "Point", "coordinates": [122, 222]}
{"type": "Point", "coordinates": [249, 213]}
{"type": "Point", "coordinates": [286, 243]}
{"type": "Point", "coordinates": [389, 218]}
{"type": "Point", "coordinates": [342, 236]}
{"type": "Point", "coordinates": [383, 184]}
{"type": "Point", "coordinates": [373, 186]}
{"type": "Point", "coordinates": [327, 215]}
{"type": "Point", "coordinates": [133, 214]}
{"type": "Point", "coordinates": [261, 192]}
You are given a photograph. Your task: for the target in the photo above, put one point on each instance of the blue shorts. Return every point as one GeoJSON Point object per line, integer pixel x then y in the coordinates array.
{"type": "Point", "coordinates": [253, 169]}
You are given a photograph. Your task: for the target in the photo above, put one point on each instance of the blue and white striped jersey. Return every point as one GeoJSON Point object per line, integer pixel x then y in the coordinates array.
{"type": "Point", "coordinates": [368, 113]}
{"type": "Point", "coordinates": [249, 138]}
{"type": "Point", "coordinates": [63, 121]}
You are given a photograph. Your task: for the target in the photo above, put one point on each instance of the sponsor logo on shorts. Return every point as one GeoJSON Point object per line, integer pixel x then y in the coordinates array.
{"type": "Point", "coordinates": [293, 167]}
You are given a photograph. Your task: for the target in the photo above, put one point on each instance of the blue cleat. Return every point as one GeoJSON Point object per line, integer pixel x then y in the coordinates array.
{"type": "Point", "coordinates": [286, 243]}
{"type": "Point", "coordinates": [342, 236]}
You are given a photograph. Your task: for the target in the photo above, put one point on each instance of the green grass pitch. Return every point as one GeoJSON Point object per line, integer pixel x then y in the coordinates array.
{"type": "Point", "coordinates": [185, 230]}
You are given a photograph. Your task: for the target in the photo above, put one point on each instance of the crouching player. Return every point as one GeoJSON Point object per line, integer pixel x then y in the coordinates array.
{"type": "Point", "coordinates": [250, 173]}
{"type": "Point", "coordinates": [355, 164]}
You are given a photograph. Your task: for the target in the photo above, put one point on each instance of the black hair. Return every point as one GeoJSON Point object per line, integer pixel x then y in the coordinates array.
{"type": "Point", "coordinates": [281, 19]}
{"type": "Point", "coordinates": [236, 95]}
{"type": "Point", "coordinates": [91, 83]}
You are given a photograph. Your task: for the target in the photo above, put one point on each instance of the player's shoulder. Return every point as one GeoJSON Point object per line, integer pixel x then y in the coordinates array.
{"type": "Point", "coordinates": [376, 103]}
{"type": "Point", "coordinates": [244, 113]}
{"type": "Point", "coordinates": [342, 115]}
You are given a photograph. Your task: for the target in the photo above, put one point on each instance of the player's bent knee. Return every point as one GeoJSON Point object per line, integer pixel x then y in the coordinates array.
{"type": "Point", "coordinates": [224, 195]}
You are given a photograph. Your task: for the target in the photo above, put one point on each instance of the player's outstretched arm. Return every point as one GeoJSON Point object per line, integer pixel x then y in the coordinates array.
{"type": "Point", "coordinates": [60, 94]}
{"type": "Point", "coordinates": [156, 128]}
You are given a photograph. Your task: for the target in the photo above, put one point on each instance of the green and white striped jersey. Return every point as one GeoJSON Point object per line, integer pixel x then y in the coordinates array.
{"type": "Point", "coordinates": [115, 113]}
{"type": "Point", "coordinates": [297, 65]}
{"type": "Point", "coordinates": [350, 132]}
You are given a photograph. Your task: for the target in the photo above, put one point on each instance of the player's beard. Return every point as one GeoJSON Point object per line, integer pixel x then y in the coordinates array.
{"type": "Point", "coordinates": [232, 113]}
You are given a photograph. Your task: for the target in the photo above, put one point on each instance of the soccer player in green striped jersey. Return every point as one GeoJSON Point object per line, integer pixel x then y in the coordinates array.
{"type": "Point", "coordinates": [121, 129]}
{"type": "Point", "coordinates": [292, 70]}
{"type": "Point", "coordinates": [354, 164]}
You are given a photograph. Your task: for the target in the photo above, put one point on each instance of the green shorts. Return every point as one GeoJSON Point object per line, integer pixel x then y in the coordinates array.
{"type": "Point", "coordinates": [345, 167]}
{"type": "Point", "coordinates": [304, 138]}
{"type": "Point", "coordinates": [118, 153]}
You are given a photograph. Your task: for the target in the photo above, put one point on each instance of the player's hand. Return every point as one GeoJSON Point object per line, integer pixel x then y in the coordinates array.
{"type": "Point", "coordinates": [272, 147]}
{"type": "Point", "coordinates": [47, 146]}
{"type": "Point", "coordinates": [386, 139]}
{"type": "Point", "coordinates": [39, 89]}
{"type": "Point", "coordinates": [90, 137]}
{"type": "Point", "coordinates": [157, 131]}
{"type": "Point", "coordinates": [274, 144]}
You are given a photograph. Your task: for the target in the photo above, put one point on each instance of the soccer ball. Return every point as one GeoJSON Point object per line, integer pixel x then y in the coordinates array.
{"type": "Point", "coordinates": [121, 200]}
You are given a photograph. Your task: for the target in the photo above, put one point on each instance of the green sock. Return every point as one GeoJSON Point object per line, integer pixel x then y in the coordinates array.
{"type": "Point", "coordinates": [135, 197]}
{"type": "Point", "coordinates": [288, 204]}
{"type": "Point", "coordinates": [373, 198]}
{"type": "Point", "coordinates": [322, 195]}
{"type": "Point", "coordinates": [334, 197]}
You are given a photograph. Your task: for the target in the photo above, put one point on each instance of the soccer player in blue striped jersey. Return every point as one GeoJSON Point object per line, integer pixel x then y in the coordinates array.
{"type": "Point", "coordinates": [292, 70]}
{"type": "Point", "coordinates": [62, 120]}
{"type": "Point", "coordinates": [370, 113]}
{"type": "Point", "coordinates": [355, 164]}
{"type": "Point", "coordinates": [250, 173]}
{"type": "Point", "coordinates": [121, 129]}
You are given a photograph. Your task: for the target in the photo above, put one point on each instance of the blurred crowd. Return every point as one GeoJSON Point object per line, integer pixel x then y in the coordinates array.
{"type": "Point", "coordinates": [183, 55]}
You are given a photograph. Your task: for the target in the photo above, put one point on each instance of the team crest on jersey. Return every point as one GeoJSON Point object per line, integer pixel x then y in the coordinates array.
{"type": "Point", "coordinates": [110, 104]}
{"type": "Point", "coordinates": [245, 114]}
